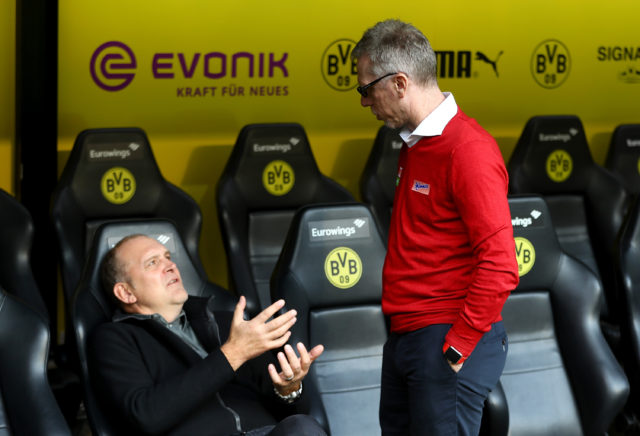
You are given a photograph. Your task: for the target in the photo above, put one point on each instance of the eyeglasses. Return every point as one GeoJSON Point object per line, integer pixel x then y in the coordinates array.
{"type": "Point", "coordinates": [363, 89]}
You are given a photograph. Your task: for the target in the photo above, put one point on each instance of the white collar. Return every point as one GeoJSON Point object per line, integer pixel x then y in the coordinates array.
{"type": "Point", "coordinates": [434, 123]}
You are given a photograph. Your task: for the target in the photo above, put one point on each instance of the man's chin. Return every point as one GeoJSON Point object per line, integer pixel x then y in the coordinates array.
{"type": "Point", "coordinates": [181, 295]}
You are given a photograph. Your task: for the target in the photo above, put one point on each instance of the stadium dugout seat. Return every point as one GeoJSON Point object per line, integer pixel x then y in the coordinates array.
{"type": "Point", "coordinates": [378, 180]}
{"type": "Point", "coordinates": [628, 263]}
{"type": "Point", "coordinates": [270, 173]}
{"type": "Point", "coordinates": [16, 238]}
{"type": "Point", "coordinates": [112, 174]}
{"type": "Point", "coordinates": [587, 203]}
{"type": "Point", "coordinates": [560, 376]}
{"type": "Point", "coordinates": [91, 307]}
{"type": "Point", "coordinates": [330, 271]}
{"type": "Point", "coordinates": [27, 404]}
{"type": "Point", "coordinates": [623, 156]}
{"type": "Point", "coordinates": [16, 278]}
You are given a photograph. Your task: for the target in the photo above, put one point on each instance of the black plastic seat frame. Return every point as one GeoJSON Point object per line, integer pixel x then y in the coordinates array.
{"type": "Point", "coordinates": [100, 159]}
{"type": "Point", "coordinates": [326, 247]}
{"type": "Point", "coordinates": [378, 179]}
{"type": "Point", "coordinates": [587, 203]}
{"type": "Point", "coordinates": [254, 220]}
{"type": "Point", "coordinates": [27, 403]}
{"type": "Point", "coordinates": [623, 156]}
{"type": "Point", "coordinates": [560, 377]}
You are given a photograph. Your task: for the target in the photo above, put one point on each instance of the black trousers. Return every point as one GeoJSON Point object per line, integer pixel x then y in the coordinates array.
{"type": "Point", "coordinates": [294, 425]}
{"type": "Point", "coordinates": [420, 392]}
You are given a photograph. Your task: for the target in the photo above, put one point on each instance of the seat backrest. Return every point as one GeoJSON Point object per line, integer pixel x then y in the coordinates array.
{"type": "Point", "coordinates": [270, 173]}
{"type": "Point", "coordinates": [16, 239]}
{"type": "Point", "coordinates": [27, 404]}
{"type": "Point", "coordinates": [560, 375]}
{"type": "Point", "coordinates": [378, 180]}
{"type": "Point", "coordinates": [627, 256]}
{"type": "Point", "coordinates": [623, 156]}
{"type": "Point", "coordinates": [587, 203]}
{"type": "Point", "coordinates": [91, 307]}
{"type": "Point", "coordinates": [330, 271]}
{"type": "Point", "coordinates": [112, 174]}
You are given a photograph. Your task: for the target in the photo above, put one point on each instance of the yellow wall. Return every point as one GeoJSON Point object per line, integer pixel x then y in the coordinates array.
{"type": "Point", "coordinates": [192, 135]}
{"type": "Point", "coordinates": [7, 93]}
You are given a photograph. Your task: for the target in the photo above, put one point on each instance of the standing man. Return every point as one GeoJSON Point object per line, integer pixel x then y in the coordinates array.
{"type": "Point", "coordinates": [451, 260]}
{"type": "Point", "coordinates": [170, 364]}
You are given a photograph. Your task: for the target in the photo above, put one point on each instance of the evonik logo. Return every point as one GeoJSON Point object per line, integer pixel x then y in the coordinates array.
{"type": "Point", "coordinates": [113, 67]}
{"type": "Point", "coordinates": [109, 57]}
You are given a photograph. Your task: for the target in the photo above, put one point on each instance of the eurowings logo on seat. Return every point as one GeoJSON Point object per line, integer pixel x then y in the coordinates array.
{"type": "Point", "coordinates": [421, 187]}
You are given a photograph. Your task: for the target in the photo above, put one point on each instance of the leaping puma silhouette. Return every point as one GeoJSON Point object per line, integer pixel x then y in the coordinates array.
{"type": "Point", "coordinates": [494, 64]}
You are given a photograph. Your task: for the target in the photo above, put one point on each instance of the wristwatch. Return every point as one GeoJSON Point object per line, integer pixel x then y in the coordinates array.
{"type": "Point", "coordinates": [290, 398]}
{"type": "Point", "coordinates": [452, 355]}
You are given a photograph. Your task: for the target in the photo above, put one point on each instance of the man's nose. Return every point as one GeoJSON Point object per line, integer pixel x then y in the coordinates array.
{"type": "Point", "coordinates": [365, 101]}
{"type": "Point", "coordinates": [170, 265]}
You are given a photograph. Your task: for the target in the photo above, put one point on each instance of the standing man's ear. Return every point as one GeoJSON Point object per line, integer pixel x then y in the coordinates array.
{"type": "Point", "coordinates": [400, 82]}
{"type": "Point", "coordinates": [123, 293]}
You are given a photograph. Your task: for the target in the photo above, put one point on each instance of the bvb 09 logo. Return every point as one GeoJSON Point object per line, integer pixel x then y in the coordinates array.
{"type": "Point", "coordinates": [343, 267]}
{"type": "Point", "coordinates": [559, 165]}
{"type": "Point", "coordinates": [118, 185]}
{"type": "Point", "coordinates": [278, 177]}
{"type": "Point", "coordinates": [525, 255]}
{"type": "Point", "coordinates": [338, 69]}
{"type": "Point", "coordinates": [550, 63]}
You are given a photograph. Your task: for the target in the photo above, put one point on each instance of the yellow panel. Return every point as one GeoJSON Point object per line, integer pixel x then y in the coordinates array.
{"type": "Point", "coordinates": [204, 69]}
{"type": "Point", "coordinates": [7, 93]}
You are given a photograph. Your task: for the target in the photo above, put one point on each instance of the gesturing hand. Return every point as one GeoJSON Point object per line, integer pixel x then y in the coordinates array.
{"type": "Point", "coordinates": [294, 368]}
{"type": "Point", "coordinates": [248, 339]}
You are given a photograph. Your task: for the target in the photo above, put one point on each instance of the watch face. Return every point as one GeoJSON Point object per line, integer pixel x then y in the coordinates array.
{"type": "Point", "coordinates": [452, 355]}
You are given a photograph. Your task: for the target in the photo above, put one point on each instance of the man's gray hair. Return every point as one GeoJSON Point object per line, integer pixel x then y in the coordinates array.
{"type": "Point", "coordinates": [396, 46]}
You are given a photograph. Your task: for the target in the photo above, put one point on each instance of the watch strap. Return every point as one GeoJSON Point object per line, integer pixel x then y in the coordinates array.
{"type": "Point", "coordinates": [290, 398]}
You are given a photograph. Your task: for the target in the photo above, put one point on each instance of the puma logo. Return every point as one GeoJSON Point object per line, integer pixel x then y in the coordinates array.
{"type": "Point", "coordinates": [494, 64]}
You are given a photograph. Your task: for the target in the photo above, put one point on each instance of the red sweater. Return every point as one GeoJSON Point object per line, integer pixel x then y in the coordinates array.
{"type": "Point", "coordinates": [451, 256]}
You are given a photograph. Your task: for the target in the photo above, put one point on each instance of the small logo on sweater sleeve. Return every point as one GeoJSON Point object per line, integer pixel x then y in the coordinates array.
{"type": "Point", "coordinates": [421, 187]}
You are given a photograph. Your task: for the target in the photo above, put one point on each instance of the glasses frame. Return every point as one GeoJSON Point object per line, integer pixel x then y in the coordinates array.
{"type": "Point", "coordinates": [362, 90]}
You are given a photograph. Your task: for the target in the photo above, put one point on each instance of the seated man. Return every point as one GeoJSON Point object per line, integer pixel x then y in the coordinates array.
{"type": "Point", "coordinates": [168, 365]}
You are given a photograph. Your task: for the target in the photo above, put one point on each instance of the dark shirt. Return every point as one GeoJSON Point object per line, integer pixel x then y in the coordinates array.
{"type": "Point", "coordinates": [180, 327]}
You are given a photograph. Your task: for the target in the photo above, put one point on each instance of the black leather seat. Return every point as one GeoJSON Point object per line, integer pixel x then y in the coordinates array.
{"type": "Point", "coordinates": [623, 156]}
{"type": "Point", "coordinates": [16, 278]}
{"type": "Point", "coordinates": [378, 180]}
{"type": "Point", "coordinates": [587, 203]}
{"type": "Point", "coordinates": [27, 404]}
{"type": "Point", "coordinates": [112, 174]}
{"type": "Point", "coordinates": [330, 271]}
{"type": "Point", "coordinates": [560, 375]}
{"type": "Point", "coordinates": [16, 239]}
{"type": "Point", "coordinates": [91, 306]}
{"type": "Point", "coordinates": [270, 173]}
{"type": "Point", "coordinates": [627, 259]}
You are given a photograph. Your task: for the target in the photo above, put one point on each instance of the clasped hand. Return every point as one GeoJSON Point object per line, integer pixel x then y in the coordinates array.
{"type": "Point", "coordinates": [249, 339]}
